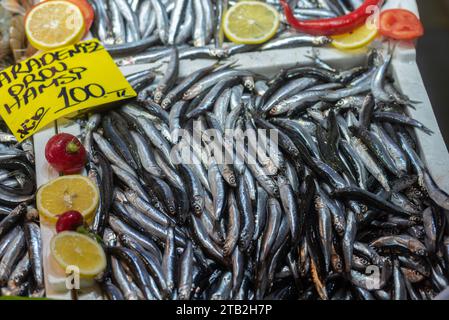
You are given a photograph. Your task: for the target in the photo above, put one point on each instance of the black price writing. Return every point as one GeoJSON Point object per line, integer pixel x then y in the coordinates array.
{"type": "Point", "coordinates": [77, 95]}
{"type": "Point", "coordinates": [29, 125]}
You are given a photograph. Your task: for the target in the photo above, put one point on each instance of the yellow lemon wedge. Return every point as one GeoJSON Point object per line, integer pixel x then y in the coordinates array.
{"type": "Point", "coordinates": [54, 24]}
{"type": "Point", "coordinates": [67, 193]}
{"type": "Point", "coordinates": [356, 39]}
{"type": "Point", "coordinates": [251, 22]}
{"type": "Point", "coordinates": [77, 250]}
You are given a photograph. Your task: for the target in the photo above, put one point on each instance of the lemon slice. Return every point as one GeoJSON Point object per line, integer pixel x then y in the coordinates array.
{"type": "Point", "coordinates": [356, 39]}
{"type": "Point", "coordinates": [67, 193]}
{"type": "Point", "coordinates": [251, 22]}
{"type": "Point", "coordinates": [53, 24]}
{"type": "Point", "coordinates": [70, 248]}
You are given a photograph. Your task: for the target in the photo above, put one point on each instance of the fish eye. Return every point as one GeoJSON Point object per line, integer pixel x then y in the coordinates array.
{"type": "Point", "coordinates": [421, 252]}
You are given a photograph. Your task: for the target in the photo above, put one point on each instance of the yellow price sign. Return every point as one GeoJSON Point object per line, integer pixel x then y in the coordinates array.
{"type": "Point", "coordinates": [56, 83]}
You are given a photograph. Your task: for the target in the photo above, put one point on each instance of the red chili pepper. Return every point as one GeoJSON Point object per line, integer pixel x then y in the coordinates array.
{"type": "Point", "coordinates": [332, 26]}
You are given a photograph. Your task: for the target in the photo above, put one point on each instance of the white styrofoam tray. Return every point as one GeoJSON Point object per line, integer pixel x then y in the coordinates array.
{"type": "Point", "coordinates": [405, 72]}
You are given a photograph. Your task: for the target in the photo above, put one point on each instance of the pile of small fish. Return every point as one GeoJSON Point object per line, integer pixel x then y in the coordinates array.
{"type": "Point", "coordinates": [17, 175]}
{"type": "Point", "coordinates": [21, 272]}
{"type": "Point", "coordinates": [343, 209]}
{"type": "Point", "coordinates": [126, 27]}
{"type": "Point", "coordinates": [21, 265]}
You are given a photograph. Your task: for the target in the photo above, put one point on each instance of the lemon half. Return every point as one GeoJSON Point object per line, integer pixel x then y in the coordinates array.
{"type": "Point", "coordinates": [53, 24]}
{"type": "Point", "coordinates": [356, 39]}
{"type": "Point", "coordinates": [251, 22]}
{"type": "Point", "coordinates": [67, 193]}
{"type": "Point", "coordinates": [74, 249]}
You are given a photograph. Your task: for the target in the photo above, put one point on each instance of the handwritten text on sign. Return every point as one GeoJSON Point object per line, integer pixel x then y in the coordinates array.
{"type": "Point", "coordinates": [51, 85]}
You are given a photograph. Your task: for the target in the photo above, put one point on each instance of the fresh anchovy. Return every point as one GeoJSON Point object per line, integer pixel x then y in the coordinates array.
{"type": "Point", "coordinates": [130, 181]}
{"type": "Point", "coordinates": [34, 244]}
{"type": "Point", "coordinates": [400, 119]}
{"type": "Point", "coordinates": [354, 193]}
{"type": "Point", "coordinates": [175, 23]}
{"type": "Point", "coordinates": [296, 41]}
{"type": "Point", "coordinates": [118, 23]}
{"type": "Point", "coordinates": [151, 263]}
{"type": "Point", "coordinates": [111, 291]}
{"type": "Point", "coordinates": [104, 24]}
{"type": "Point", "coordinates": [289, 204]}
{"type": "Point", "coordinates": [161, 19]}
{"type": "Point", "coordinates": [20, 273]}
{"type": "Point", "coordinates": [370, 164]}
{"type": "Point", "coordinates": [169, 259]}
{"type": "Point", "coordinates": [131, 259]}
{"type": "Point", "coordinates": [186, 28]}
{"type": "Point", "coordinates": [146, 155]}
{"type": "Point", "coordinates": [186, 265]}
{"type": "Point", "coordinates": [123, 229]}
{"type": "Point", "coordinates": [200, 28]}
{"type": "Point", "coordinates": [401, 241]}
{"type": "Point", "coordinates": [11, 256]}
{"type": "Point", "coordinates": [133, 47]}
{"type": "Point", "coordinates": [377, 84]}
{"type": "Point", "coordinates": [122, 281]}
{"type": "Point", "coordinates": [12, 219]}
{"type": "Point", "coordinates": [110, 153]}
{"type": "Point", "coordinates": [246, 213]}
{"type": "Point", "coordinates": [170, 77]}
{"type": "Point", "coordinates": [130, 17]}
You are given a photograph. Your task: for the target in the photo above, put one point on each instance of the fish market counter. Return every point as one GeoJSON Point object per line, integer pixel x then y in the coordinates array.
{"type": "Point", "coordinates": [406, 75]}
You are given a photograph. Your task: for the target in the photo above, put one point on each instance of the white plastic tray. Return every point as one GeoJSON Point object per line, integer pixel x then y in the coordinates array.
{"type": "Point", "coordinates": [405, 71]}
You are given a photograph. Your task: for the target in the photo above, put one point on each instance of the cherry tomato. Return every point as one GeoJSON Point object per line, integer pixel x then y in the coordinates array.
{"type": "Point", "coordinates": [400, 24]}
{"type": "Point", "coordinates": [69, 221]}
{"type": "Point", "coordinates": [65, 153]}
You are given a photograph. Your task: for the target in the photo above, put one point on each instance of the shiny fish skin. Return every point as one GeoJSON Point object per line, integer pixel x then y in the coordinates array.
{"type": "Point", "coordinates": [345, 190]}
{"type": "Point", "coordinates": [169, 260]}
{"type": "Point", "coordinates": [186, 273]}
{"type": "Point", "coordinates": [131, 259]}
{"type": "Point", "coordinates": [288, 201]}
{"type": "Point", "coordinates": [246, 213]}
{"type": "Point", "coordinates": [161, 20]}
{"type": "Point", "coordinates": [150, 261]}
{"type": "Point", "coordinates": [121, 228]}
{"type": "Point", "coordinates": [233, 231]}
{"type": "Point", "coordinates": [34, 244]}
{"type": "Point", "coordinates": [109, 152]}
{"type": "Point", "coordinates": [12, 219]}
{"type": "Point", "coordinates": [175, 23]}
{"type": "Point", "coordinates": [170, 77]}
{"type": "Point", "coordinates": [10, 257]}
{"type": "Point", "coordinates": [218, 189]}
{"type": "Point", "coordinates": [20, 272]}
{"type": "Point", "coordinates": [121, 279]}
{"type": "Point", "coordinates": [131, 19]}
{"type": "Point", "coordinates": [146, 156]}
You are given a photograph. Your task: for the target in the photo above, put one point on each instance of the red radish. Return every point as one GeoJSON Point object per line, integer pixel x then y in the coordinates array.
{"type": "Point", "coordinates": [69, 221]}
{"type": "Point", "coordinates": [65, 153]}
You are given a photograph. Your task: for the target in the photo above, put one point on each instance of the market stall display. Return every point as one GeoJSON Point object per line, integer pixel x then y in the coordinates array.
{"type": "Point", "coordinates": [353, 184]}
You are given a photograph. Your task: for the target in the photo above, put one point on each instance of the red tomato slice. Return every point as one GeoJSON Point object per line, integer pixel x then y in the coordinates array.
{"type": "Point", "coordinates": [400, 24]}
